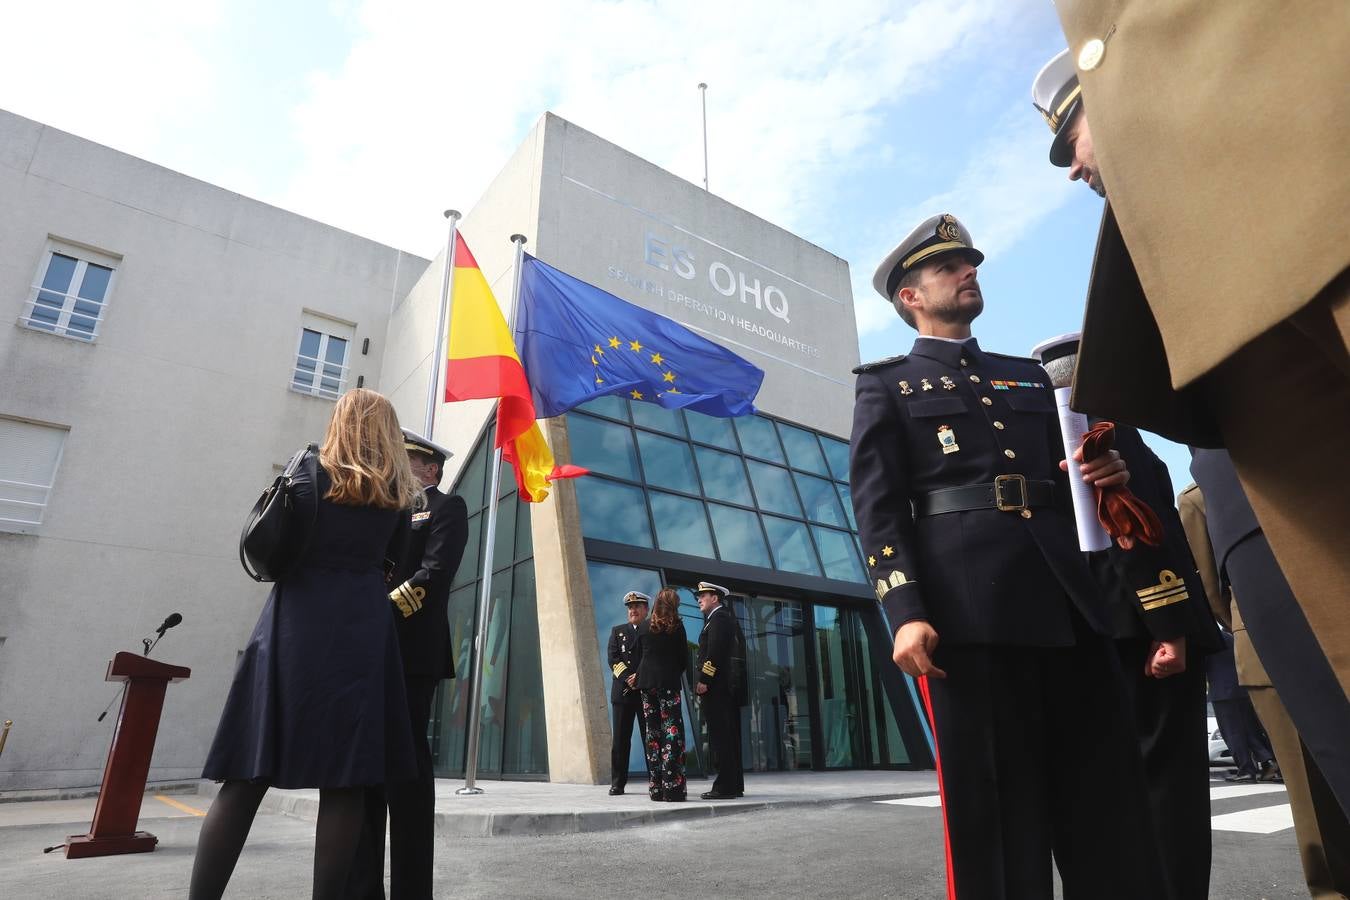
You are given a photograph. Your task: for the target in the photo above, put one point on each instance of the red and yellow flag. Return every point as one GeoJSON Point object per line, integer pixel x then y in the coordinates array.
{"type": "Point", "coordinates": [482, 363]}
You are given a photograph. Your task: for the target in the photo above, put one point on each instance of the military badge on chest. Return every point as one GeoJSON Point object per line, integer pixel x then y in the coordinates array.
{"type": "Point", "coordinates": [947, 438]}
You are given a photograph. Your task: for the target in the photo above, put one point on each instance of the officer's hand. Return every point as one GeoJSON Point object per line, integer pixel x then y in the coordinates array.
{"type": "Point", "coordinates": [632, 679]}
{"type": "Point", "coordinates": [1167, 658]}
{"type": "Point", "coordinates": [1107, 470]}
{"type": "Point", "coordinates": [915, 643]}
{"type": "Point", "coordinates": [700, 688]}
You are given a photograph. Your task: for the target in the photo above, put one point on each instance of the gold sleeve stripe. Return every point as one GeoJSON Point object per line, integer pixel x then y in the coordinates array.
{"type": "Point", "coordinates": [619, 668]}
{"type": "Point", "coordinates": [1167, 600]}
{"type": "Point", "coordinates": [1167, 583]}
{"type": "Point", "coordinates": [709, 669]}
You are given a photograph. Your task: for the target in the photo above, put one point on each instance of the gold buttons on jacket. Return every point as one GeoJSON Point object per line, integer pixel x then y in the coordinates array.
{"type": "Point", "coordinates": [986, 401]}
{"type": "Point", "coordinates": [975, 378]}
{"type": "Point", "coordinates": [1010, 454]}
{"type": "Point", "coordinates": [1026, 514]}
{"type": "Point", "coordinates": [998, 425]}
{"type": "Point", "coordinates": [1090, 57]}
{"type": "Point", "coordinates": [963, 361]}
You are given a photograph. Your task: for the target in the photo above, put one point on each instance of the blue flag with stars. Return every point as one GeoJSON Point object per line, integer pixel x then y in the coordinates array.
{"type": "Point", "coordinates": [578, 343]}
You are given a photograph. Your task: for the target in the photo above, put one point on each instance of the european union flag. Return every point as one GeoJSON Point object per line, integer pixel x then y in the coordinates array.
{"type": "Point", "coordinates": [578, 342]}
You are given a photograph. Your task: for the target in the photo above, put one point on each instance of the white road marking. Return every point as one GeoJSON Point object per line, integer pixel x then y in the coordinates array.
{"type": "Point", "coordinates": [932, 801]}
{"type": "Point", "coordinates": [1228, 791]}
{"type": "Point", "coordinates": [1266, 820]}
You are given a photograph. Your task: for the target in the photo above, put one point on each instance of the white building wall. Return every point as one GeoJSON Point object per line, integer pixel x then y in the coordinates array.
{"type": "Point", "coordinates": [177, 415]}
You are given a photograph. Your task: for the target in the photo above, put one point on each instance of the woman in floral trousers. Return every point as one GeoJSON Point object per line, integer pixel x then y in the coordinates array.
{"type": "Point", "coordinates": [664, 649]}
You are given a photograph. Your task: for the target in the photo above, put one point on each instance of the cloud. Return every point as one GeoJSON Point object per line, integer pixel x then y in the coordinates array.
{"type": "Point", "coordinates": [1006, 189]}
{"type": "Point", "coordinates": [113, 74]}
{"type": "Point", "coordinates": [433, 97]}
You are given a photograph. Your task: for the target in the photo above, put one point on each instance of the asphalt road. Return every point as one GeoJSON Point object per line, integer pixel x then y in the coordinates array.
{"type": "Point", "coordinates": [849, 849]}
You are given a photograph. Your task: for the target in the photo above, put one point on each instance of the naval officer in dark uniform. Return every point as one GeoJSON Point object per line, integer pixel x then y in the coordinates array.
{"type": "Point", "coordinates": [625, 701]}
{"type": "Point", "coordinates": [965, 521]}
{"type": "Point", "coordinates": [419, 598]}
{"type": "Point", "coordinates": [716, 689]}
{"type": "Point", "coordinates": [1161, 639]}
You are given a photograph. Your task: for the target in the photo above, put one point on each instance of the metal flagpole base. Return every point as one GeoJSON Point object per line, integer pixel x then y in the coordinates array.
{"type": "Point", "coordinates": [468, 791]}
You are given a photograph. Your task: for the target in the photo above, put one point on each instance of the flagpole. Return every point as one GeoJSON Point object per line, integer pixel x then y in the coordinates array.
{"type": "Point", "coordinates": [438, 352]}
{"type": "Point", "coordinates": [485, 595]}
{"type": "Point", "coordinates": [703, 96]}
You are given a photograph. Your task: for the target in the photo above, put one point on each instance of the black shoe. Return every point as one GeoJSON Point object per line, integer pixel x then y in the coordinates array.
{"type": "Point", "coordinates": [615, 790]}
{"type": "Point", "coordinates": [717, 795]}
{"type": "Point", "coordinates": [1240, 779]}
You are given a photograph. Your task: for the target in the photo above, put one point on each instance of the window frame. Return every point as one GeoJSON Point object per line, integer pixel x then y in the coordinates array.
{"type": "Point", "coordinates": [317, 323]}
{"type": "Point", "coordinates": [22, 526]}
{"type": "Point", "coordinates": [84, 257]}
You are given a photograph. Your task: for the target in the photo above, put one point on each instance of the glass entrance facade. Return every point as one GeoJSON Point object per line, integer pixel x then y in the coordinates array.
{"type": "Point", "coordinates": [673, 497]}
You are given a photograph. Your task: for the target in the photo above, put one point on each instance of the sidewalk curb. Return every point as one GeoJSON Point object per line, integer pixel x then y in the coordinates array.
{"type": "Point", "coordinates": [473, 824]}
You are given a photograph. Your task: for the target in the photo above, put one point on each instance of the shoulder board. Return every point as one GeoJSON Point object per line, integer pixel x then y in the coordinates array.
{"type": "Point", "coordinates": [1190, 488]}
{"type": "Point", "coordinates": [1025, 359]}
{"type": "Point", "coordinates": [873, 366]}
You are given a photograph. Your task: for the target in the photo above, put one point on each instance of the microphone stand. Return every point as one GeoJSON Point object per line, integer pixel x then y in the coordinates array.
{"type": "Point", "coordinates": [148, 645]}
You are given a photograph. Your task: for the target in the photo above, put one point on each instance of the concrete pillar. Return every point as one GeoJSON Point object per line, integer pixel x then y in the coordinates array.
{"type": "Point", "coordinates": [579, 732]}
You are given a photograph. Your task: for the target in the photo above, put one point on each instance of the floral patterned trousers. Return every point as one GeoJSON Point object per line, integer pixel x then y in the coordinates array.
{"type": "Point", "coordinates": [663, 738]}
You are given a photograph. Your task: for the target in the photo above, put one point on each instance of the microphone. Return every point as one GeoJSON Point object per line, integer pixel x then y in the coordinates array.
{"type": "Point", "coordinates": [170, 622]}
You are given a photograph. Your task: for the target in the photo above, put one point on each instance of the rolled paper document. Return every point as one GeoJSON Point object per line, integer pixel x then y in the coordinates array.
{"type": "Point", "coordinates": [1072, 427]}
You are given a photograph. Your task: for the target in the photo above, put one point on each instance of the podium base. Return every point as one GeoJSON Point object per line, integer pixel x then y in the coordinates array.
{"type": "Point", "coordinates": [80, 846]}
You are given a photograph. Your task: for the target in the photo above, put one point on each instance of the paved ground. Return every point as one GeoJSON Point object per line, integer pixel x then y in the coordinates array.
{"type": "Point", "coordinates": [866, 845]}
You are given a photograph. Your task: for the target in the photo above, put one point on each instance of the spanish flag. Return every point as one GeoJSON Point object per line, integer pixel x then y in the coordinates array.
{"type": "Point", "coordinates": [482, 363]}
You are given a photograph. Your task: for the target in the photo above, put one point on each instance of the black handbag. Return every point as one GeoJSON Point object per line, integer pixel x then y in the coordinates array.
{"type": "Point", "coordinates": [277, 529]}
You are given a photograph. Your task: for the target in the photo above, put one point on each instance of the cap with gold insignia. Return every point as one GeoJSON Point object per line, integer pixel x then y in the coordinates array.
{"type": "Point", "coordinates": [636, 597]}
{"type": "Point", "coordinates": [937, 235]}
{"type": "Point", "coordinates": [706, 586]}
{"type": "Point", "coordinates": [415, 443]}
{"type": "Point", "coordinates": [1057, 94]}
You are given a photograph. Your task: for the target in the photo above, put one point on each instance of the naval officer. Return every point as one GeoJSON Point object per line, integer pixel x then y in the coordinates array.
{"type": "Point", "coordinates": [419, 600]}
{"type": "Point", "coordinates": [720, 695]}
{"type": "Point", "coordinates": [964, 517]}
{"type": "Point", "coordinates": [625, 700]}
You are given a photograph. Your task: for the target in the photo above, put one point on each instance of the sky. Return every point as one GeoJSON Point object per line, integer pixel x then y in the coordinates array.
{"type": "Point", "coordinates": [847, 123]}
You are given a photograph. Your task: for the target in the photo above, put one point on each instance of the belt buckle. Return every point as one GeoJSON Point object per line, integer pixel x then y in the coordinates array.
{"type": "Point", "coordinates": [1001, 504]}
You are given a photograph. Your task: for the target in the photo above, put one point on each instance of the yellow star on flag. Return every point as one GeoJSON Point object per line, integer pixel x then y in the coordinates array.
{"type": "Point", "coordinates": [668, 376]}
{"type": "Point", "coordinates": [887, 551]}
{"type": "Point", "coordinates": [598, 350]}
{"type": "Point", "coordinates": [593, 361]}
{"type": "Point", "coordinates": [636, 395]}
{"type": "Point", "coordinates": [635, 346]}
{"type": "Point", "coordinates": [614, 342]}
{"type": "Point", "coordinates": [599, 380]}
{"type": "Point", "coordinates": [658, 358]}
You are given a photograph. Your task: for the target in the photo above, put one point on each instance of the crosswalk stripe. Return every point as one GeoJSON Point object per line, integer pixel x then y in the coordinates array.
{"type": "Point", "coordinates": [1265, 820]}
{"type": "Point", "coordinates": [932, 801]}
{"type": "Point", "coordinates": [1228, 791]}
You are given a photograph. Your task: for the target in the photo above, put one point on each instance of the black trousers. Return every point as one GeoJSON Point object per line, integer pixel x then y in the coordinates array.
{"type": "Point", "coordinates": [723, 716]}
{"type": "Point", "coordinates": [1169, 721]}
{"type": "Point", "coordinates": [1037, 757]}
{"type": "Point", "coordinates": [625, 714]}
{"type": "Point", "coordinates": [1294, 660]}
{"type": "Point", "coordinates": [1242, 731]}
{"type": "Point", "coordinates": [411, 806]}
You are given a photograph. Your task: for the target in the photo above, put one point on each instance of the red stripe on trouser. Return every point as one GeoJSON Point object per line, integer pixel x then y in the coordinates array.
{"type": "Point", "coordinates": [942, 793]}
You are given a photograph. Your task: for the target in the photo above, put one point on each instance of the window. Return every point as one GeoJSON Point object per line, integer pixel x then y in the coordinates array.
{"type": "Point", "coordinates": [321, 360]}
{"type": "Point", "coordinates": [29, 456]}
{"type": "Point", "coordinates": [70, 291]}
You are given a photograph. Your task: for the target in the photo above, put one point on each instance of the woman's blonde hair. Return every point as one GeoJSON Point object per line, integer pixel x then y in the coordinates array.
{"type": "Point", "coordinates": [665, 612]}
{"type": "Point", "coordinates": [363, 453]}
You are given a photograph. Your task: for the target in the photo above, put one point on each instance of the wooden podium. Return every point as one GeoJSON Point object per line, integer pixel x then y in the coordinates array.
{"type": "Point", "coordinates": [133, 743]}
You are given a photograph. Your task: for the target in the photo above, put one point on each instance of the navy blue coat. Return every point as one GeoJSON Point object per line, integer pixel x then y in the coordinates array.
{"type": "Point", "coordinates": [318, 699]}
{"type": "Point", "coordinates": [982, 576]}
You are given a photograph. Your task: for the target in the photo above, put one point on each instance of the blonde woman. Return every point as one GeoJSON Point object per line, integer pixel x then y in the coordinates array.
{"type": "Point", "coordinates": [318, 699]}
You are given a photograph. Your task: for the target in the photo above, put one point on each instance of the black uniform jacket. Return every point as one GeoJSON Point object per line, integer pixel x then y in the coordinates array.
{"type": "Point", "coordinates": [623, 661]}
{"type": "Point", "coordinates": [422, 585]}
{"type": "Point", "coordinates": [663, 658]}
{"type": "Point", "coordinates": [950, 415]}
{"type": "Point", "coordinates": [1155, 591]}
{"type": "Point", "coordinates": [717, 644]}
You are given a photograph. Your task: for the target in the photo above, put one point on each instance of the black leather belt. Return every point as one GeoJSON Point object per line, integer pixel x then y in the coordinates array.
{"type": "Point", "coordinates": [1007, 493]}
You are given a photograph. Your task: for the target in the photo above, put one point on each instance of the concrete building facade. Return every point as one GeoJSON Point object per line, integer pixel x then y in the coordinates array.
{"type": "Point", "coordinates": [174, 343]}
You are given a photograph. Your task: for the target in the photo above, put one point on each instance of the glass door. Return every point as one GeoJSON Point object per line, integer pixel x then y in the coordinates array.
{"type": "Point", "coordinates": [776, 725]}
